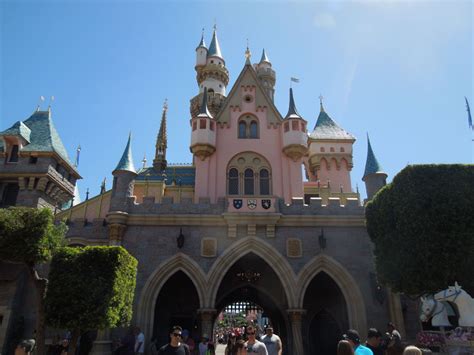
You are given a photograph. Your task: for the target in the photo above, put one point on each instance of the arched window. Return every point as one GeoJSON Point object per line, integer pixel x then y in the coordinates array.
{"type": "Point", "coordinates": [249, 188]}
{"type": "Point", "coordinates": [264, 182]}
{"type": "Point", "coordinates": [248, 127]}
{"type": "Point", "coordinates": [233, 182]}
{"type": "Point", "coordinates": [253, 129]}
{"type": "Point", "coordinates": [210, 91]}
{"type": "Point", "coordinates": [242, 129]}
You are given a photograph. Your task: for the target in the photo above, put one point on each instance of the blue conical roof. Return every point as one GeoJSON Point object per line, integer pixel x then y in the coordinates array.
{"type": "Point", "coordinates": [214, 48]}
{"type": "Point", "coordinates": [327, 128]}
{"type": "Point", "coordinates": [126, 162]}
{"type": "Point", "coordinates": [202, 43]}
{"type": "Point", "coordinates": [264, 57]}
{"type": "Point", "coordinates": [372, 166]}
{"type": "Point", "coordinates": [292, 112]}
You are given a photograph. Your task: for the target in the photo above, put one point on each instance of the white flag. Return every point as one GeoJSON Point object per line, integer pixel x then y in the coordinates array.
{"type": "Point", "coordinates": [295, 80]}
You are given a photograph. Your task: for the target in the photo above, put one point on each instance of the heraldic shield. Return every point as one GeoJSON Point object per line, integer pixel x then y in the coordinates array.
{"type": "Point", "coordinates": [251, 203]}
{"type": "Point", "coordinates": [266, 204]}
{"type": "Point", "coordinates": [237, 203]}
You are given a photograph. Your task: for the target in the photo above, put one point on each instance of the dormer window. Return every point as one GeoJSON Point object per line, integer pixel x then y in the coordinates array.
{"type": "Point", "coordinates": [13, 157]}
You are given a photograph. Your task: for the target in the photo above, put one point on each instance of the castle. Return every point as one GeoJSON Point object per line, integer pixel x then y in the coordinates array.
{"type": "Point", "coordinates": [242, 208]}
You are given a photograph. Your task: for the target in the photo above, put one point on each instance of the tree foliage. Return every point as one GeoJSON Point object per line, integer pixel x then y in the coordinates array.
{"type": "Point", "coordinates": [91, 288]}
{"type": "Point", "coordinates": [29, 235]}
{"type": "Point", "coordinates": [422, 225]}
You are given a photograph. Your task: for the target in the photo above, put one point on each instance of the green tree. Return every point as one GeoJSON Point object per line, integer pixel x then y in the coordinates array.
{"type": "Point", "coordinates": [90, 288]}
{"type": "Point", "coordinates": [422, 226]}
{"type": "Point", "coordinates": [30, 237]}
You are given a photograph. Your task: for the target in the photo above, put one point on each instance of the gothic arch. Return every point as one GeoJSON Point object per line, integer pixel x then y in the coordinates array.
{"type": "Point", "coordinates": [154, 284]}
{"type": "Point", "coordinates": [260, 248]}
{"type": "Point", "coordinates": [348, 286]}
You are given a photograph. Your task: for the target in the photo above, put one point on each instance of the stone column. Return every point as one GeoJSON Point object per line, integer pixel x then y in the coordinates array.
{"type": "Point", "coordinates": [206, 316]}
{"type": "Point", "coordinates": [117, 224]}
{"type": "Point", "coordinates": [296, 316]}
{"type": "Point", "coordinates": [395, 311]}
{"type": "Point", "coordinates": [103, 343]}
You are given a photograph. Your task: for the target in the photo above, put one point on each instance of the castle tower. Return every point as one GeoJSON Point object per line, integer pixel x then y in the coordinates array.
{"type": "Point", "coordinates": [294, 146]}
{"type": "Point", "coordinates": [330, 154]}
{"type": "Point", "coordinates": [35, 170]}
{"type": "Point", "coordinates": [212, 74]}
{"type": "Point", "coordinates": [374, 177]}
{"type": "Point", "coordinates": [159, 163]}
{"type": "Point", "coordinates": [266, 75]}
{"type": "Point", "coordinates": [124, 175]}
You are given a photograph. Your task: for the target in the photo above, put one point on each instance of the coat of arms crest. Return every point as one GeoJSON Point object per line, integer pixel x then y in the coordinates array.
{"type": "Point", "coordinates": [266, 204]}
{"type": "Point", "coordinates": [237, 203]}
{"type": "Point", "coordinates": [252, 203]}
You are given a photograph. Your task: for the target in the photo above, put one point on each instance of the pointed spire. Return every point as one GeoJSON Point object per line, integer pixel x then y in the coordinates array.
{"type": "Point", "coordinates": [103, 186]}
{"type": "Point", "coordinates": [292, 112]}
{"type": "Point", "coordinates": [372, 166]}
{"type": "Point", "coordinates": [202, 43]}
{"type": "Point", "coordinates": [126, 162]}
{"type": "Point", "coordinates": [327, 128]}
{"type": "Point", "coordinates": [214, 48]}
{"type": "Point", "coordinates": [203, 110]}
{"type": "Point", "coordinates": [321, 108]}
{"type": "Point", "coordinates": [161, 141]}
{"type": "Point", "coordinates": [264, 58]}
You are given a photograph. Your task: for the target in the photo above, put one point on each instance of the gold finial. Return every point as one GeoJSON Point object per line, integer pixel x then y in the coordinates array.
{"type": "Point", "coordinates": [321, 102]}
{"type": "Point", "coordinates": [248, 54]}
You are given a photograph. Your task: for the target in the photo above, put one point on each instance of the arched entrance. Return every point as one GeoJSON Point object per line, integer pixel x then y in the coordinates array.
{"type": "Point", "coordinates": [177, 304]}
{"type": "Point", "coordinates": [326, 317]}
{"type": "Point", "coordinates": [252, 280]}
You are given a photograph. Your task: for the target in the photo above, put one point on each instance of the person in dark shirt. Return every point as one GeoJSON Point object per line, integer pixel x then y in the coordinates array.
{"type": "Point", "coordinates": [175, 346]}
{"type": "Point", "coordinates": [374, 338]}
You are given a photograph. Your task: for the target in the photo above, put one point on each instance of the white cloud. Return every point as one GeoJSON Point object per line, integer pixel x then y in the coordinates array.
{"type": "Point", "coordinates": [324, 20]}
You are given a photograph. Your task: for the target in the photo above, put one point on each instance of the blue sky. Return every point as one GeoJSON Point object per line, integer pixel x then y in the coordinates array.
{"type": "Point", "coordinates": [398, 70]}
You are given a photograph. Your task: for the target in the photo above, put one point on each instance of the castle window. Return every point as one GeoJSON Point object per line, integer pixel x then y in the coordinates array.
{"type": "Point", "coordinates": [233, 182]}
{"type": "Point", "coordinates": [10, 194]}
{"type": "Point", "coordinates": [342, 150]}
{"type": "Point", "coordinates": [202, 124]}
{"type": "Point", "coordinates": [249, 187]}
{"type": "Point", "coordinates": [331, 149]}
{"type": "Point", "coordinates": [212, 125]}
{"type": "Point", "coordinates": [248, 127]}
{"type": "Point", "coordinates": [294, 125]}
{"type": "Point", "coordinates": [249, 174]}
{"type": "Point", "coordinates": [253, 129]}
{"type": "Point", "coordinates": [322, 150]}
{"type": "Point", "coordinates": [286, 126]}
{"type": "Point", "coordinates": [210, 91]}
{"type": "Point", "coordinates": [13, 158]}
{"type": "Point", "coordinates": [212, 62]}
{"type": "Point", "coordinates": [264, 182]}
{"type": "Point", "coordinates": [303, 127]}
{"type": "Point", "coordinates": [242, 129]}
{"type": "Point", "coordinates": [194, 125]}
{"type": "Point", "coordinates": [33, 160]}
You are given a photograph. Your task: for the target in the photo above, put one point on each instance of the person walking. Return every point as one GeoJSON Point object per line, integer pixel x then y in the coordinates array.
{"type": "Point", "coordinates": [352, 336]}
{"type": "Point", "coordinates": [395, 346]}
{"type": "Point", "coordinates": [139, 341]}
{"type": "Point", "coordinates": [373, 342]}
{"type": "Point", "coordinates": [272, 341]}
{"type": "Point", "coordinates": [175, 346]}
{"type": "Point", "coordinates": [345, 348]}
{"type": "Point", "coordinates": [253, 346]}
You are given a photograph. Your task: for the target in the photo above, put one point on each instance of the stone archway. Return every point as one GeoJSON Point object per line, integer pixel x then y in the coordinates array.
{"type": "Point", "coordinates": [349, 288]}
{"type": "Point", "coordinates": [147, 301]}
{"type": "Point", "coordinates": [260, 248]}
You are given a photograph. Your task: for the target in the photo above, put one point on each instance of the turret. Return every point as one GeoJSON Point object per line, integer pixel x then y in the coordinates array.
{"type": "Point", "coordinates": [294, 132]}
{"type": "Point", "coordinates": [374, 177]}
{"type": "Point", "coordinates": [159, 163]}
{"type": "Point", "coordinates": [266, 75]}
{"type": "Point", "coordinates": [330, 154]}
{"type": "Point", "coordinates": [201, 52]}
{"type": "Point", "coordinates": [203, 136]}
{"type": "Point", "coordinates": [124, 175]}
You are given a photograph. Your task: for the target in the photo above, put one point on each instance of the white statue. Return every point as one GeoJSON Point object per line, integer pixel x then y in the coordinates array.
{"type": "Point", "coordinates": [463, 301]}
{"type": "Point", "coordinates": [431, 308]}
